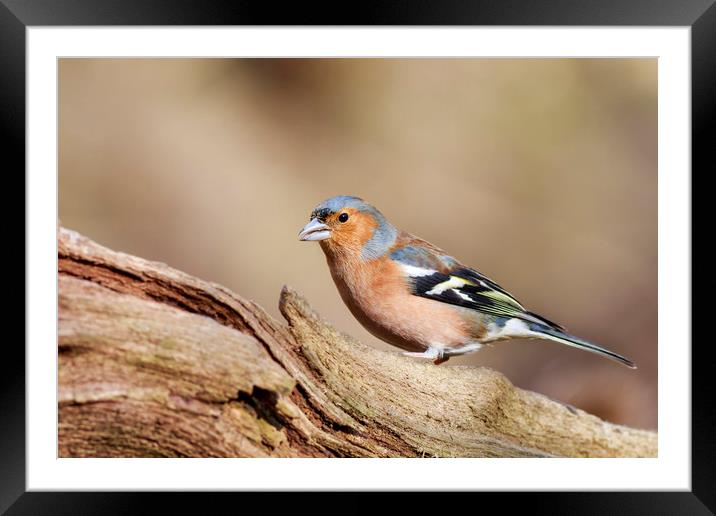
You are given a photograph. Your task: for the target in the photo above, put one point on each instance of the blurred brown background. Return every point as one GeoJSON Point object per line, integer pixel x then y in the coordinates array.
{"type": "Point", "coordinates": [540, 173]}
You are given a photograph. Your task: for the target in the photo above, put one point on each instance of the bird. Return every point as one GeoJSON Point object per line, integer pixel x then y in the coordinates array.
{"type": "Point", "coordinates": [415, 296]}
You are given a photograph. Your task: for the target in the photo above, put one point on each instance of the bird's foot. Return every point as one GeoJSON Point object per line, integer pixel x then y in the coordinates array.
{"type": "Point", "coordinates": [434, 354]}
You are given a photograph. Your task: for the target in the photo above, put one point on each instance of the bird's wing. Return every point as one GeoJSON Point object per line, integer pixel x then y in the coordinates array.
{"type": "Point", "coordinates": [435, 275]}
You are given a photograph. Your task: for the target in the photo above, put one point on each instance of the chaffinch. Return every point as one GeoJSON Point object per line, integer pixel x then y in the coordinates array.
{"type": "Point", "coordinates": [415, 296]}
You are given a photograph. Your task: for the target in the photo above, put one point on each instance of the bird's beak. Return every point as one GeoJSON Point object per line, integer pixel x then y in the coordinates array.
{"type": "Point", "coordinates": [314, 230]}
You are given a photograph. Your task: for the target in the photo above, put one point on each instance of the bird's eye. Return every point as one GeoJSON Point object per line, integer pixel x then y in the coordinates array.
{"type": "Point", "coordinates": [343, 217]}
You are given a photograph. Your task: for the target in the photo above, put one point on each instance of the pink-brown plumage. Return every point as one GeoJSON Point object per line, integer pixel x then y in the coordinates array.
{"type": "Point", "coordinates": [378, 296]}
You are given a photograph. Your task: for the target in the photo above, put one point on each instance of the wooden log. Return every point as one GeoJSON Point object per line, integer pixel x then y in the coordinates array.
{"type": "Point", "coordinates": [156, 363]}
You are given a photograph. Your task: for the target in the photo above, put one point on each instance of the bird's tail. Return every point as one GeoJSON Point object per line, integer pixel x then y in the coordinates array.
{"type": "Point", "coordinates": [546, 332]}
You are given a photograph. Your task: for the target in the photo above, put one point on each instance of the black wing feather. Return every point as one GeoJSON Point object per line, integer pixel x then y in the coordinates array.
{"type": "Point", "coordinates": [481, 294]}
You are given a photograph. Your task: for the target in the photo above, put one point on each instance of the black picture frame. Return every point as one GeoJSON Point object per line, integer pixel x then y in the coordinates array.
{"type": "Point", "coordinates": [17, 15]}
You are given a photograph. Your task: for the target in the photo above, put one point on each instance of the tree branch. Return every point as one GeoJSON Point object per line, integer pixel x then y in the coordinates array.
{"type": "Point", "coordinates": [154, 362]}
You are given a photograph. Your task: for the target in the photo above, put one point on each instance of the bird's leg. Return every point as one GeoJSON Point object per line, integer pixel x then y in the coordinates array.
{"type": "Point", "coordinates": [434, 354]}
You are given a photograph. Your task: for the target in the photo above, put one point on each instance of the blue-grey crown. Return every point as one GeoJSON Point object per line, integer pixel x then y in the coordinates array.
{"type": "Point", "coordinates": [337, 203]}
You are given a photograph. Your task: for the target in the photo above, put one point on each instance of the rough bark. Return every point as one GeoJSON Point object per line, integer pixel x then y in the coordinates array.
{"type": "Point", "coordinates": [156, 363]}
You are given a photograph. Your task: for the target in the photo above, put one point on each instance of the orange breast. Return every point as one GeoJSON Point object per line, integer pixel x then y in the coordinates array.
{"type": "Point", "coordinates": [378, 295]}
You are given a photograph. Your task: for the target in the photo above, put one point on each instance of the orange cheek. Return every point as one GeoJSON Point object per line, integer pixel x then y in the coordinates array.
{"type": "Point", "coordinates": [355, 233]}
